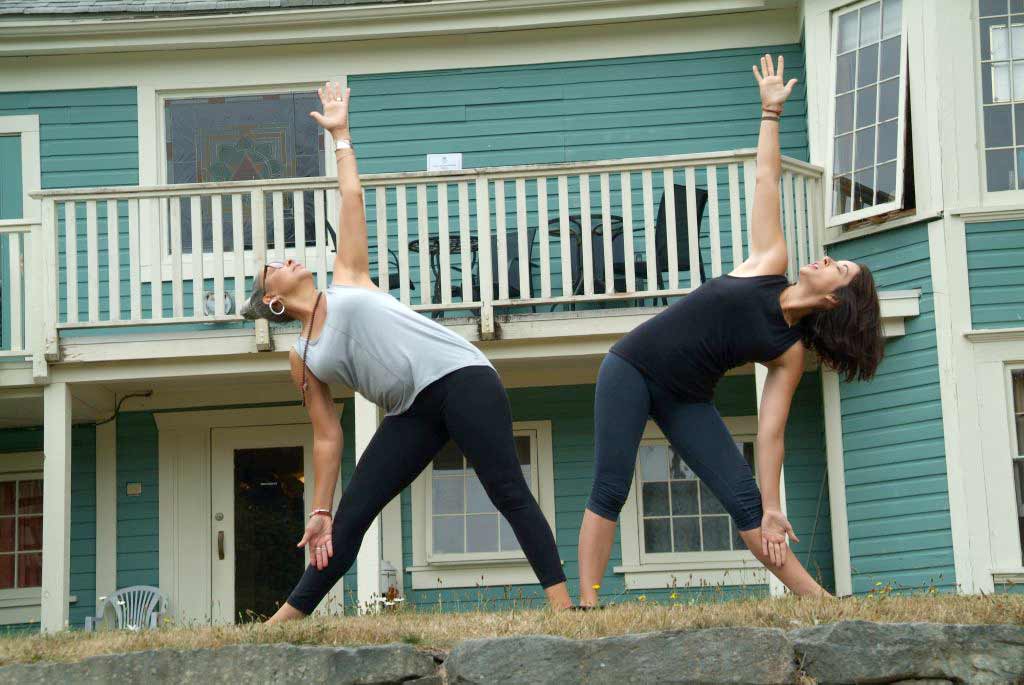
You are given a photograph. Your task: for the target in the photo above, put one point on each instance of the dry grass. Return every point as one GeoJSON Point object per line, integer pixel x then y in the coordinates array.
{"type": "Point", "coordinates": [433, 630]}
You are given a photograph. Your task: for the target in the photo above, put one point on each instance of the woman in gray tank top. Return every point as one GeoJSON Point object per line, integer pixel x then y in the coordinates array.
{"type": "Point", "coordinates": [432, 383]}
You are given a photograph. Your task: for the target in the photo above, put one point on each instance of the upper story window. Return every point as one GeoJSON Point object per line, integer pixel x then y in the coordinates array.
{"type": "Point", "coordinates": [242, 138]}
{"type": "Point", "coordinates": [1018, 454]}
{"type": "Point", "coordinates": [1001, 41]}
{"type": "Point", "coordinates": [869, 123]}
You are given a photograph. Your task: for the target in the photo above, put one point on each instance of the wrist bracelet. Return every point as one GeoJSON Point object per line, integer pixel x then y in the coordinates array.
{"type": "Point", "coordinates": [320, 512]}
{"type": "Point", "coordinates": [343, 144]}
{"type": "Point", "coordinates": [769, 117]}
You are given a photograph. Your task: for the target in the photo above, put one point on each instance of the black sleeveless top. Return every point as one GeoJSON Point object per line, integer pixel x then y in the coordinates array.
{"type": "Point", "coordinates": [727, 322]}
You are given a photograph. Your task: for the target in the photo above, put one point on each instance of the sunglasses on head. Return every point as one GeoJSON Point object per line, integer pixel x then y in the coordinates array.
{"type": "Point", "coordinates": [277, 264]}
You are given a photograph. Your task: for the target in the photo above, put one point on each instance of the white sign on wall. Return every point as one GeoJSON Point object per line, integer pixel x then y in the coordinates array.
{"type": "Point", "coordinates": [445, 161]}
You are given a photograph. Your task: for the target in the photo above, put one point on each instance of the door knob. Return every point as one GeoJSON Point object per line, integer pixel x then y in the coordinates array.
{"type": "Point", "coordinates": [220, 545]}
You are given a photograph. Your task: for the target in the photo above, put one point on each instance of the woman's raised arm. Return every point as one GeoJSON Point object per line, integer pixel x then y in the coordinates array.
{"type": "Point", "coordinates": [352, 263]}
{"type": "Point", "coordinates": [767, 243]}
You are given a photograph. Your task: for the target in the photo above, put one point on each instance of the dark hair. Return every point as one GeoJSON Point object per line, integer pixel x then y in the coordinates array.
{"type": "Point", "coordinates": [848, 338]}
{"type": "Point", "coordinates": [255, 308]}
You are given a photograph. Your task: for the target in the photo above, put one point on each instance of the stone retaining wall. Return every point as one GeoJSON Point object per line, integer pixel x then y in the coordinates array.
{"type": "Point", "coordinates": [849, 652]}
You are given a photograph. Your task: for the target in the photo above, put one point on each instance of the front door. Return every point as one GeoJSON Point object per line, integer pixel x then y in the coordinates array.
{"type": "Point", "coordinates": [261, 488]}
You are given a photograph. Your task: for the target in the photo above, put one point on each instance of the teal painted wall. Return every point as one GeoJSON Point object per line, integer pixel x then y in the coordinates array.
{"type": "Point", "coordinates": [567, 112]}
{"type": "Point", "coordinates": [138, 517]}
{"type": "Point", "coordinates": [83, 513]}
{"type": "Point", "coordinates": [10, 208]}
{"type": "Point", "coordinates": [896, 486]}
{"type": "Point", "coordinates": [570, 410]}
{"type": "Point", "coordinates": [87, 138]}
{"type": "Point", "coordinates": [995, 273]}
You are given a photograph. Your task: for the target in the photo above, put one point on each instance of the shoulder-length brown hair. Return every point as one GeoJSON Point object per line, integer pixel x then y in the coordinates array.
{"type": "Point", "coordinates": [848, 338]}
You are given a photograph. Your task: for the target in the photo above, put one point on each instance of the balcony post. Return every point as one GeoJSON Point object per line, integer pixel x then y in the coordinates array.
{"type": "Point", "coordinates": [483, 227]}
{"type": "Point", "coordinates": [41, 273]}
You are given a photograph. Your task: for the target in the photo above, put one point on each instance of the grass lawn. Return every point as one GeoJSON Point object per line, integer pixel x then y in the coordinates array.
{"type": "Point", "coordinates": [429, 629]}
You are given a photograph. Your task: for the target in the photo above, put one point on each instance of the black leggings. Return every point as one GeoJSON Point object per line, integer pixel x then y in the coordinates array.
{"type": "Point", "coordinates": [623, 401]}
{"type": "Point", "coordinates": [470, 407]}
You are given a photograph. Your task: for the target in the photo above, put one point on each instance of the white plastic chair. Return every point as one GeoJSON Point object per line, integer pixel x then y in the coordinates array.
{"type": "Point", "coordinates": [135, 608]}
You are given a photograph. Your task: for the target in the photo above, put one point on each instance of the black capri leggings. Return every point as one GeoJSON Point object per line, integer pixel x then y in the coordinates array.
{"type": "Point", "coordinates": [470, 407]}
{"type": "Point", "coordinates": [624, 400]}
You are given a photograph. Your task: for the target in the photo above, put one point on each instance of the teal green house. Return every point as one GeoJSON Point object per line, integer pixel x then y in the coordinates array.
{"type": "Point", "coordinates": [541, 178]}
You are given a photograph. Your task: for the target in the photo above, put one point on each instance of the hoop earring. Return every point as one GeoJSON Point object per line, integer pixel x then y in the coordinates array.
{"type": "Point", "coordinates": [274, 311]}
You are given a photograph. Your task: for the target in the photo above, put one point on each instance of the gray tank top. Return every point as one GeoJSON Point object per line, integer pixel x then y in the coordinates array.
{"type": "Point", "coordinates": [382, 349]}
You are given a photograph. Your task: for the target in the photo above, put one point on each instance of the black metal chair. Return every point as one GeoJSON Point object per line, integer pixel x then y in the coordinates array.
{"type": "Point", "coordinates": [683, 257]}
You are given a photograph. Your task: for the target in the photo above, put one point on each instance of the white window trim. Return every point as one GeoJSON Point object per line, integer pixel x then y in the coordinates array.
{"type": "Point", "coordinates": [27, 127]}
{"type": "Point", "coordinates": [157, 140]}
{"type": "Point", "coordinates": [21, 605]}
{"type": "Point", "coordinates": [901, 135]}
{"type": "Point", "coordinates": [435, 572]}
{"type": "Point", "coordinates": [737, 567]}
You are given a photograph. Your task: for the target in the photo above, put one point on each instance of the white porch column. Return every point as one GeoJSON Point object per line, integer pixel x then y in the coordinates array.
{"type": "Point", "coordinates": [106, 509]}
{"type": "Point", "coordinates": [367, 418]}
{"type": "Point", "coordinates": [775, 586]}
{"type": "Point", "coordinates": [56, 506]}
{"type": "Point", "coordinates": [836, 481]}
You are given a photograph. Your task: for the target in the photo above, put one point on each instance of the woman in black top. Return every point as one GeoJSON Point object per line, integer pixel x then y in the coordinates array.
{"type": "Point", "coordinates": [667, 369]}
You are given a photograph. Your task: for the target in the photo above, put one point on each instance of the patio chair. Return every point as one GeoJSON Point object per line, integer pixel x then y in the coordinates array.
{"type": "Point", "coordinates": [135, 608]}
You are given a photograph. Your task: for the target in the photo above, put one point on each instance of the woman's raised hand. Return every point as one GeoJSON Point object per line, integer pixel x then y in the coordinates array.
{"type": "Point", "coordinates": [774, 91]}
{"type": "Point", "coordinates": [335, 115]}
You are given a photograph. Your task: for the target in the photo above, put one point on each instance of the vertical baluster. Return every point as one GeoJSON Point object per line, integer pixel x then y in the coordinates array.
{"type": "Point", "coordinates": [800, 191]}
{"type": "Point", "coordinates": [156, 276]}
{"type": "Point", "coordinates": [17, 273]}
{"type": "Point", "coordinates": [749, 186]}
{"type": "Point", "coordinates": [734, 215]}
{"type": "Point", "coordinates": [563, 236]}
{"type": "Point", "coordinates": [714, 230]}
{"type": "Point", "coordinates": [788, 223]}
{"type": "Point", "coordinates": [238, 250]}
{"type": "Point", "coordinates": [444, 243]}
{"type": "Point", "coordinates": [320, 233]}
{"type": "Point", "coordinates": [176, 250]}
{"type": "Point", "coordinates": [691, 226]}
{"type": "Point", "coordinates": [626, 182]}
{"type": "Point", "coordinates": [134, 262]}
{"type": "Point", "coordinates": [465, 253]}
{"type": "Point", "coordinates": [299, 216]}
{"type": "Point", "coordinates": [113, 262]}
{"type": "Point", "coordinates": [587, 247]}
{"type": "Point", "coordinates": [606, 234]}
{"type": "Point", "coordinates": [483, 234]}
{"type": "Point", "coordinates": [542, 243]}
{"type": "Point", "coordinates": [196, 220]}
{"type": "Point", "coordinates": [650, 256]}
{"type": "Point", "coordinates": [383, 255]}
{"type": "Point", "coordinates": [403, 244]}
{"type": "Point", "coordinates": [522, 237]}
{"type": "Point", "coordinates": [280, 244]}
{"type": "Point", "coordinates": [217, 223]}
{"type": "Point", "coordinates": [93, 261]}
{"type": "Point", "coordinates": [258, 219]}
{"type": "Point", "coordinates": [71, 260]}
{"type": "Point", "coordinates": [501, 236]}
{"type": "Point", "coordinates": [423, 230]}
{"type": "Point", "coordinates": [671, 229]}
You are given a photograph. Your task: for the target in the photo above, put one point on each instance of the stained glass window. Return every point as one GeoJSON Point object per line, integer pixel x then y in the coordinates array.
{"type": "Point", "coordinates": [242, 138]}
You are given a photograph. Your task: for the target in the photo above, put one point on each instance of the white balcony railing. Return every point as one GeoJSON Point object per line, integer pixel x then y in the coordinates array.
{"type": "Point", "coordinates": [17, 317]}
{"type": "Point", "coordinates": [497, 239]}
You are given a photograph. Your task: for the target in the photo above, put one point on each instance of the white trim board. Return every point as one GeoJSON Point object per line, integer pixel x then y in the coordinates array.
{"type": "Point", "coordinates": [32, 36]}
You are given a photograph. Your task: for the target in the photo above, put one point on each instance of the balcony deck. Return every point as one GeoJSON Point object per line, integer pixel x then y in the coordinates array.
{"type": "Point", "coordinates": [598, 243]}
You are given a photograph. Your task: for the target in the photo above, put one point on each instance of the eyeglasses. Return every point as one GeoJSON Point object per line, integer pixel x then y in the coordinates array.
{"type": "Point", "coordinates": [276, 264]}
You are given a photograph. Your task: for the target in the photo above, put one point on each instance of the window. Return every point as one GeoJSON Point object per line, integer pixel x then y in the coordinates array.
{"type": "Point", "coordinates": [21, 533]}
{"type": "Point", "coordinates": [463, 519]}
{"type": "Point", "coordinates": [1018, 454]}
{"type": "Point", "coordinates": [458, 537]}
{"type": "Point", "coordinates": [241, 138]}
{"type": "Point", "coordinates": [1001, 41]}
{"type": "Point", "coordinates": [679, 513]}
{"type": "Point", "coordinates": [869, 123]}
